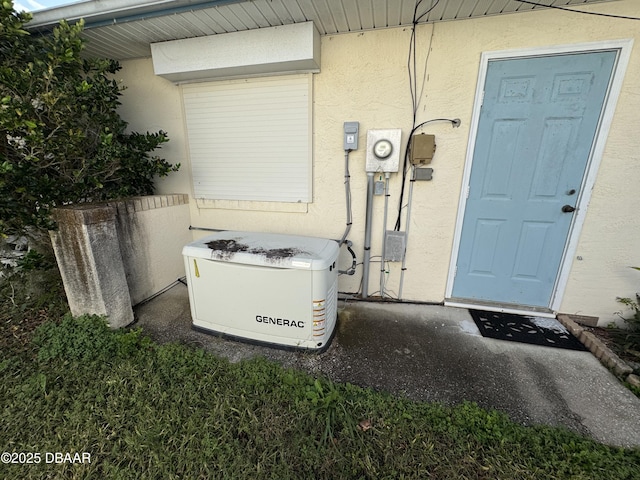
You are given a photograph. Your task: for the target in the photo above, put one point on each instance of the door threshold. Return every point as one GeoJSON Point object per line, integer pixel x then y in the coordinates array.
{"type": "Point", "coordinates": [503, 308]}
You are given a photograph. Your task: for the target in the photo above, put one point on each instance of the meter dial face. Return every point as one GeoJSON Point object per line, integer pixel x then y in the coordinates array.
{"type": "Point", "coordinates": [382, 149]}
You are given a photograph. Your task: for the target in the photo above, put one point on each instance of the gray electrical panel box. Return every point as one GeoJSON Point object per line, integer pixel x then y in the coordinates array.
{"type": "Point", "coordinates": [351, 135]}
{"type": "Point", "coordinates": [394, 246]}
{"type": "Point", "coordinates": [421, 173]}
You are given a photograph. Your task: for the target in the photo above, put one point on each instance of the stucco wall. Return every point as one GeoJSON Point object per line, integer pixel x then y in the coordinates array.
{"type": "Point", "coordinates": [364, 78]}
{"type": "Point", "coordinates": [152, 257]}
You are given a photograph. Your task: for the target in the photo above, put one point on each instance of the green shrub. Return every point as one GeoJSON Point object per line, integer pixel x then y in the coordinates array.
{"type": "Point", "coordinates": [628, 339]}
{"type": "Point", "coordinates": [61, 138]}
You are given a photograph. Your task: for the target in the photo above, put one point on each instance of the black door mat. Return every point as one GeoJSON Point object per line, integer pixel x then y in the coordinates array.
{"type": "Point", "coordinates": [518, 328]}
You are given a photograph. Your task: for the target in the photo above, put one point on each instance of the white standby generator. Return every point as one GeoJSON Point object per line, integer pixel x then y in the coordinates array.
{"type": "Point", "coordinates": [267, 288]}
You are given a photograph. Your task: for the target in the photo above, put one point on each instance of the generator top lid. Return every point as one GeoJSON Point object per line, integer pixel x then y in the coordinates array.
{"type": "Point", "coordinates": [266, 249]}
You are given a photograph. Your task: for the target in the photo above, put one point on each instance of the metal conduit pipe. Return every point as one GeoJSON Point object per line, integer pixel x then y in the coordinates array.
{"type": "Point", "coordinates": [367, 237]}
{"type": "Point", "coordinates": [384, 231]}
{"type": "Point", "coordinates": [406, 230]}
{"type": "Point", "coordinates": [347, 192]}
{"type": "Point", "coordinates": [191, 227]}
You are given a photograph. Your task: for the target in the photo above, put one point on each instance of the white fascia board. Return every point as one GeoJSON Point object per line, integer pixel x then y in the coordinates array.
{"type": "Point", "coordinates": [115, 11]}
{"type": "Point", "coordinates": [291, 48]}
{"type": "Point", "coordinates": [89, 9]}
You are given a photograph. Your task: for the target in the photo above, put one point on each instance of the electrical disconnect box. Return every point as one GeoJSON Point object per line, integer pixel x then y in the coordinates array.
{"type": "Point", "coordinates": [423, 147]}
{"type": "Point", "coordinates": [351, 135]}
{"type": "Point", "coordinates": [421, 173]}
{"type": "Point", "coordinates": [395, 245]}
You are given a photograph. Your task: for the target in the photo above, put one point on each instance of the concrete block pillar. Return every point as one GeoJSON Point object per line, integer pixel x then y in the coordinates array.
{"type": "Point", "coordinates": [88, 254]}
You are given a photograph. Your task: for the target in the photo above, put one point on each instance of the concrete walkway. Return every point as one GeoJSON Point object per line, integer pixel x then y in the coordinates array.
{"type": "Point", "coordinates": [436, 353]}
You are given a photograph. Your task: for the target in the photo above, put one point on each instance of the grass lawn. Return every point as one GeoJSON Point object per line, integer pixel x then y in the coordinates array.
{"type": "Point", "coordinates": [143, 410]}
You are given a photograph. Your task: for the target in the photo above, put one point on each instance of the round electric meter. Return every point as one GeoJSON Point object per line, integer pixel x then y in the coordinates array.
{"type": "Point", "coordinates": [382, 149]}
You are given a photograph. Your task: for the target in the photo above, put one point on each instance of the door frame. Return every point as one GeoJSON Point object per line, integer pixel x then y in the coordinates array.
{"type": "Point", "coordinates": [624, 47]}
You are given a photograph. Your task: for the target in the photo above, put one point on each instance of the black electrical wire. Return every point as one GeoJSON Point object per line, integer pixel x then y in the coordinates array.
{"type": "Point", "coordinates": [455, 122]}
{"type": "Point", "coordinates": [433, 5]}
{"type": "Point", "coordinates": [413, 88]}
{"type": "Point", "coordinates": [566, 9]}
{"type": "Point", "coordinates": [354, 264]}
{"type": "Point", "coordinates": [412, 60]}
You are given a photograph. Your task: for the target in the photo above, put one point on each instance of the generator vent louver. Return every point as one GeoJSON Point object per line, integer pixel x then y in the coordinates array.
{"type": "Point", "coordinates": [325, 312]}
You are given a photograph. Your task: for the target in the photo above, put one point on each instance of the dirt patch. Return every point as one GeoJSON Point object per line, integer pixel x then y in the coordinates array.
{"type": "Point", "coordinates": [606, 337]}
{"type": "Point", "coordinates": [225, 249]}
{"type": "Point", "coordinates": [230, 246]}
{"type": "Point", "coordinates": [277, 253]}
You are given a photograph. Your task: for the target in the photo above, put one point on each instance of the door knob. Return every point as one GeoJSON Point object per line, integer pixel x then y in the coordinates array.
{"type": "Point", "coordinates": [568, 209]}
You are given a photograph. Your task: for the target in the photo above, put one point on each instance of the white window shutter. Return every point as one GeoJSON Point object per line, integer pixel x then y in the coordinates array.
{"type": "Point", "coordinates": [250, 139]}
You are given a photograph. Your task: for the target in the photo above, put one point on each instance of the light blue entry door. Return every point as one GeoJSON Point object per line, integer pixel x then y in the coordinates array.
{"type": "Point", "coordinates": [535, 133]}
